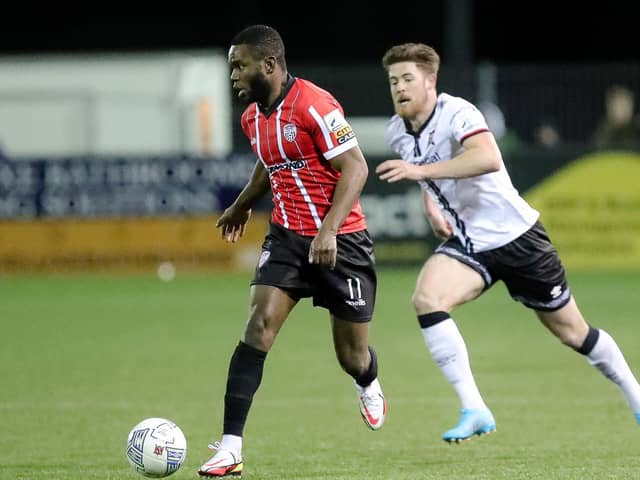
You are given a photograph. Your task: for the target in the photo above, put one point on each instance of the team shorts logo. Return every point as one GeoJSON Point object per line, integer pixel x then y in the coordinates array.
{"type": "Point", "coordinates": [356, 303]}
{"type": "Point", "coordinates": [263, 258]}
{"type": "Point", "coordinates": [290, 132]}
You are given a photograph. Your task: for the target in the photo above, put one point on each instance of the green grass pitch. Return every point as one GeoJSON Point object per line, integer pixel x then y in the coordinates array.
{"type": "Point", "coordinates": [84, 358]}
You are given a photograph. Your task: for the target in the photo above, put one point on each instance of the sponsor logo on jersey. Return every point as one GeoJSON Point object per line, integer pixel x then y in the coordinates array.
{"type": "Point", "coordinates": [556, 291]}
{"type": "Point", "coordinates": [295, 165]}
{"type": "Point", "coordinates": [344, 134]}
{"type": "Point", "coordinates": [430, 159]}
{"type": "Point", "coordinates": [290, 132]}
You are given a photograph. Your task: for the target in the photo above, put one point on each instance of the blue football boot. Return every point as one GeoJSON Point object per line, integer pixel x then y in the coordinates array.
{"type": "Point", "coordinates": [472, 422]}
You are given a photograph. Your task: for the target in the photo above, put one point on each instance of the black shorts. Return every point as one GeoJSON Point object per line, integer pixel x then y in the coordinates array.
{"type": "Point", "coordinates": [529, 266]}
{"type": "Point", "coordinates": [348, 291]}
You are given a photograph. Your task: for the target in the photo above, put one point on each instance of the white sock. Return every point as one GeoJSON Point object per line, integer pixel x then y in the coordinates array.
{"type": "Point", "coordinates": [233, 443]}
{"type": "Point", "coordinates": [607, 357]}
{"type": "Point", "coordinates": [448, 350]}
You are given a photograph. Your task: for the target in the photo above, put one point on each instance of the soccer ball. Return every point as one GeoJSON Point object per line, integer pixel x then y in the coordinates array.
{"type": "Point", "coordinates": [156, 447]}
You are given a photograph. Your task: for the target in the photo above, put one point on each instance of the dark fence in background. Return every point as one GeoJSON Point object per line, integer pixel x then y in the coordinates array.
{"type": "Point", "coordinates": [571, 97]}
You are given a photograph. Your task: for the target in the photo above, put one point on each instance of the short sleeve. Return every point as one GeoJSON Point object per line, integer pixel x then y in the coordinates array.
{"type": "Point", "coordinates": [466, 122]}
{"type": "Point", "coordinates": [330, 130]}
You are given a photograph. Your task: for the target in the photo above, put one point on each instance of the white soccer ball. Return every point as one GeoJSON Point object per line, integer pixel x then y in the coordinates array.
{"type": "Point", "coordinates": [156, 447]}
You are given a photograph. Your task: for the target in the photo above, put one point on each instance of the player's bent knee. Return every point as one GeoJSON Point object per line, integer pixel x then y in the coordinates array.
{"type": "Point", "coordinates": [428, 302]}
{"type": "Point", "coordinates": [259, 335]}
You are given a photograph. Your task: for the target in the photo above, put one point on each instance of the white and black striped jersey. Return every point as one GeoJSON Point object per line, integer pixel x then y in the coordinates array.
{"type": "Point", "coordinates": [485, 211]}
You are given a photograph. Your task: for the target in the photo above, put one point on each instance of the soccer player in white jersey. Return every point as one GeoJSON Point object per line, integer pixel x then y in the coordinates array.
{"type": "Point", "coordinates": [489, 232]}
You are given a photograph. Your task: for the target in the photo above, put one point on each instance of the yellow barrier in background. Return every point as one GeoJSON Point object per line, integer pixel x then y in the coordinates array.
{"type": "Point", "coordinates": [126, 243]}
{"type": "Point", "coordinates": [591, 209]}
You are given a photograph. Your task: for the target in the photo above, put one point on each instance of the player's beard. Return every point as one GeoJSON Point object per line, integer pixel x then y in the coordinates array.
{"type": "Point", "coordinates": [259, 90]}
{"type": "Point", "coordinates": [405, 110]}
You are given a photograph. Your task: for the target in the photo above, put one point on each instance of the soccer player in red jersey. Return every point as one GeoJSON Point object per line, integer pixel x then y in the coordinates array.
{"type": "Point", "coordinates": [317, 246]}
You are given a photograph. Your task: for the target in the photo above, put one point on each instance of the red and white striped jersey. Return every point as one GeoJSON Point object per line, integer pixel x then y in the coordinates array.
{"type": "Point", "coordinates": [295, 140]}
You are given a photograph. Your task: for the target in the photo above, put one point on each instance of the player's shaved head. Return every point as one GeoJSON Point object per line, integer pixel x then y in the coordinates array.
{"type": "Point", "coordinates": [264, 41]}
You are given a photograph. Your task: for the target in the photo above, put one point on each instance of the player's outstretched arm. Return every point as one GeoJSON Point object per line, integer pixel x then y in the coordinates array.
{"type": "Point", "coordinates": [481, 155]}
{"type": "Point", "coordinates": [233, 221]}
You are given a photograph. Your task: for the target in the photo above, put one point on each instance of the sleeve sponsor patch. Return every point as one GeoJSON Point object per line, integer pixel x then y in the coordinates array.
{"type": "Point", "coordinates": [338, 126]}
{"type": "Point", "coordinates": [344, 134]}
{"type": "Point", "coordinates": [334, 120]}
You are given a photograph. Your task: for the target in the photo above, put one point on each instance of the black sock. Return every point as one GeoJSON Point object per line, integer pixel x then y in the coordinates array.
{"type": "Point", "coordinates": [427, 320]}
{"type": "Point", "coordinates": [371, 374]}
{"type": "Point", "coordinates": [589, 342]}
{"type": "Point", "coordinates": [243, 380]}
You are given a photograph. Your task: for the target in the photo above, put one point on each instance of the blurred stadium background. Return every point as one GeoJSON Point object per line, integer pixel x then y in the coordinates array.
{"type": "Point", "coordinates": [124, 160]}
{"type": "Point", "coordinates": [119, 301]}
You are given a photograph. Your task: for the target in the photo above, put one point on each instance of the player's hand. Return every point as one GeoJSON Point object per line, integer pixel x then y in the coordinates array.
{"type": "Point", "coordinates": [324, 249]}
{"type": "Point", "coordinates": [395, 170]}
{"type": "Point", "coordinates": [441, 228]}
{"type": "Point", "coordinates": [233, 222]}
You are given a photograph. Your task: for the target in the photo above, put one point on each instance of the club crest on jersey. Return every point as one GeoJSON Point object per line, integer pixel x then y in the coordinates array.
{"type": "Point", "coordinates": [290, 132]}
{"type": "Point", "coordinates": [430, 141]}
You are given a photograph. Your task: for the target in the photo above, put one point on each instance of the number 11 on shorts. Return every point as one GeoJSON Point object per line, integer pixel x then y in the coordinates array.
{"type": "Point", "coordinates": [350, 282]}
